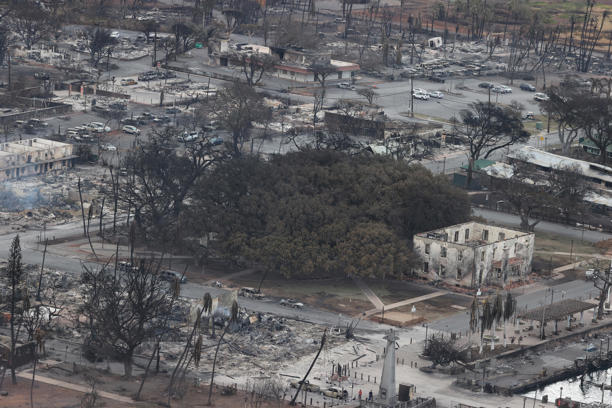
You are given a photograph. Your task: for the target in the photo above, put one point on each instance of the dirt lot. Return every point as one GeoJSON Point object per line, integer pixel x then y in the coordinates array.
{"type": "Point", "coordinates": [153, 393]}
{"type": "Point", "coordinates": [336, 294]}
{"type": "Point", "coordinates": [552, 251]}
{"type": "Point", "coordinates": [45, 396]}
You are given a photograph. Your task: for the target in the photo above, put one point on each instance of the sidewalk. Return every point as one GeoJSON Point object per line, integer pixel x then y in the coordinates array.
{"type": "Point", "coordinates": [27, 374]}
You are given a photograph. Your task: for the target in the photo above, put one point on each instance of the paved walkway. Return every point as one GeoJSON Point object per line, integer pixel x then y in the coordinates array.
{"type": "Point", "coordinates": [75, 387]}
{"type": "Point", "coordinates": [369, 293]}
{"type": "Point", "coordinates": [406, 302]}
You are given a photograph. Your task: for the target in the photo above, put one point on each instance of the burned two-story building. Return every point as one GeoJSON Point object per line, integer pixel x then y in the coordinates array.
{"type": "Point", "coordinates": [474, 254]}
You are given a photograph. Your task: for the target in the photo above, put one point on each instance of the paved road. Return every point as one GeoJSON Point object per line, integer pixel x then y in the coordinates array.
{"type": "Point", "coordinates": [568, 231]}
{"type": "Point", "coordinates": [32, 253]}
{"type": "Point", "coordinates": [577, 289]}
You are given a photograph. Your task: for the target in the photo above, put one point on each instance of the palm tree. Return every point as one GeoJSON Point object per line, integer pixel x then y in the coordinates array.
{"type": "Point", "coordinates": [509, 309]}
{"type": "Point", "coordinates": [486, 320]}
{"type": "Point", "coordinates": [497, 313]}
{"type": "Point", "coordinates": [473, 318]}
{"type": "Point", "coordinates": [233, 318]}
{"type": "Point", "coordinates": [207, 307]}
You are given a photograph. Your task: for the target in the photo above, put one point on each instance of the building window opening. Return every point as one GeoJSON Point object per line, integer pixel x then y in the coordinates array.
{"type": "Point", "coordinates": [467, 234]}
{"type": "Point", "coordinates": [443, 252]}
{"type": "Point", "coordinates": [427, 248]}
{"type": "Point", "coordinates": [485, 235]}
{"type": "Point", "coordinates": [456, 236]}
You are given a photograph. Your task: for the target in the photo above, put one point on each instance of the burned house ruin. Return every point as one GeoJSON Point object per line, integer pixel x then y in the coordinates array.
{"type": "Point", "coordinates": [474, 254]}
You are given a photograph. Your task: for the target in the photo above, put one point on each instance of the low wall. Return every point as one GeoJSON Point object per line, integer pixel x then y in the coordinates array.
{"type": "Point", "coordinates": [58, 109]}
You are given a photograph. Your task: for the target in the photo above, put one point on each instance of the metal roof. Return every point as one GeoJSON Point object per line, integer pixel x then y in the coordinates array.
{"type": "Point", "coordinates": [556, 311]}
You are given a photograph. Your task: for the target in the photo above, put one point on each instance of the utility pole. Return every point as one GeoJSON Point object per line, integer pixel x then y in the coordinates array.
{"type": "Point", "coordinates": [309, 369]}
{"type": "Point", "coordinates": [10, 83]}
{"type": "Point", "coordinates": [411, 96]}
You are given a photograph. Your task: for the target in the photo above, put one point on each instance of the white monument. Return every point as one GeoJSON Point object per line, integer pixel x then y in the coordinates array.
{"type": "Point", "coordinates": [387, 394]}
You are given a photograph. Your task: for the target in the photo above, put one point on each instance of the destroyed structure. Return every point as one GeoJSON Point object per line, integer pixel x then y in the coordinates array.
{"type": "Point", "coordinates": [34, 156]}
{"type": "Point", "coordinates": [474, 254]}
{"type": "Point", "coordinates": [294, 63]}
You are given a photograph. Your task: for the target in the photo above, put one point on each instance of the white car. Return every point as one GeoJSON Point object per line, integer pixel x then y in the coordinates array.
{"type": "Point", "coordinates": [540, 97]}
{"type": "Point", "coordinates": [436, 94]}
{"type": "Point", "coordinates": [421, 96]}
{"type": "Point", "coordinates": [115, 34]}
{"type": "Point", "coordinates": [98, 127]}
{"type": "Point", "coordinates": [109, 147]}
{"type": "Point", "coordinates": [189, 136]}
{"type": "Point", "coordinates": [132, 130]}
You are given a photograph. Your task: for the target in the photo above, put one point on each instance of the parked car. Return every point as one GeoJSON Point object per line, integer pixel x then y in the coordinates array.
{"type": "Point", "coordinates": [436, 94]}
{"type": "Point", "coordinates": [333, 392]}
{"type": "Point", "coordinates": [161, 119]}
{"type": "Point", "coordinates": [115, 35]}
{"type": "Point", "coordinates": [108, 147]}
{"type": "Point", "coordinates": [98, 127]}
{"type": "Point", "coordinates": [435, 78]}
{"type": "Point", "coordinates": [128, 81]}
{"type": "Point", "coordinates": [291, 303]}
{"type": "Point", "coordinates": [189, 136]}
{"type": "Point", "coordinates": [167, 74]}
{"type": "Point", "coordinates": [345, 85]}
{"type": "Point", "coordinates": [486, 85]}
{"type": "Point", "coordinates": [250, 293]}
{"type": "Point", "coordinates": [306, 386]}
{"type": "Point", "coordinates": [540, 97]}
{"type": "Point", "coordinates": [529, 116]}
{"type": "Point", "coordinates": [42, 75]}
{"type": "Point", "coordinates": [527, 87]}
{"type": "Point", "coordinates": [421, 96]}
{"type": "Point", "coordinates": [589, 274]}
{"type": "Point", "coordinates": [37, 123]}
{"type": "Point", "coordinates": [171, 276]}
{"type": "Point", "coordinates": [216, 141]}
{"type": "Point", "coordinates": [132, 130]}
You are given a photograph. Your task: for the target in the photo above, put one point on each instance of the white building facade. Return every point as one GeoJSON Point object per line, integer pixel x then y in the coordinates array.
{"type": "Point", "coordinates": [474, 254]}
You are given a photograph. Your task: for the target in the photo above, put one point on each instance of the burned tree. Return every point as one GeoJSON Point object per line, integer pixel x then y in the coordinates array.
{"type": "Point", "coordinates": [237, 107]}
{"type": "Point", "coordinates": [30, 22]}
{"type": "Point", "coordinates": [487, 128]}
{"type": "Point", "coordinates": [99, 44]}
{"type": "Point", "coordinates": [602, 280]}
{"type": "Point", "coordinates": [160, 181]}
{"type": "Point", "coordinates": [125, 309]}
{"type": "Point", "coordinates": [442, 351]}
{"type": "Point", "coordinates": [253, 66]}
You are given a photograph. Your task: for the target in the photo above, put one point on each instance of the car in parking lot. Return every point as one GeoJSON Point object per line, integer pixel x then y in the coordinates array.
{"type": "Point", "coordinates": [161, 119]}
{"type": "Point", "coordinates": [436, 94]}
{"type": "Point", "coordinates": [132, 130]}
{"type": "Point", "coordinates": [98, 127]}
{"type": "Point", "coordinates": [334, 392]}
{"type": "Point", "coordinates": [189, 136]}
{"type": "Point", "coordinates": [436, 78]}
{"type": "Point", "coordinates": [486, 85]}
{"type": "Point", "coordinates": [128, 81]}
{"type": "Point", "coordinates": [216, 141]}
{"type": "Point", "coordinates": [527, 87]}
{"type": "Point", "coordinates": [173, 110]}
{"type": "Point", "coordinates": [306, 385]}
{"type": "Point", "coordinates": [345, 85]}
{"type": "Point", "coordinates": [108, 147]}
{"type": "Point", "coordinates": [540, 97]}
